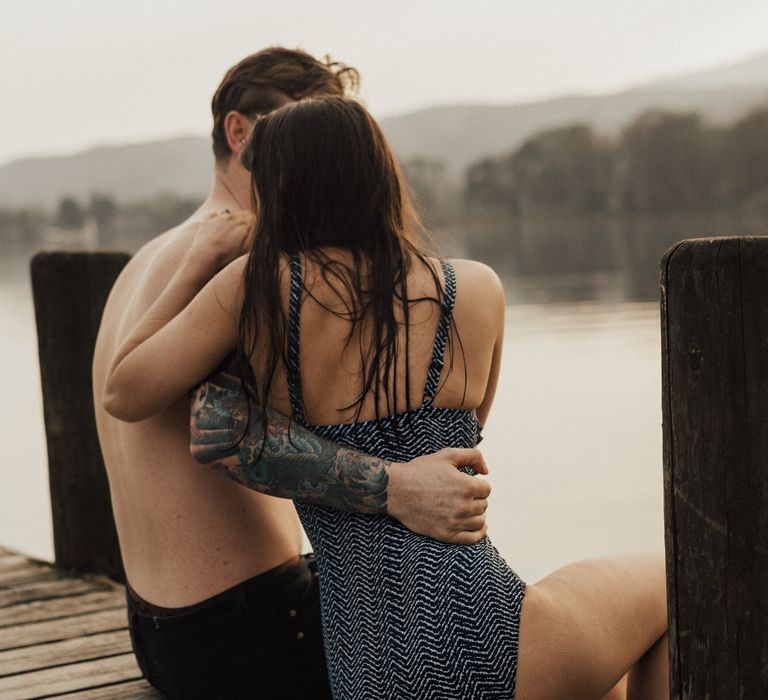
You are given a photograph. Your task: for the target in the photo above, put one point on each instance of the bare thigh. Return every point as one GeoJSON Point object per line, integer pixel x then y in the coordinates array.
{"type": "Point", "coordinates": [585, 625]}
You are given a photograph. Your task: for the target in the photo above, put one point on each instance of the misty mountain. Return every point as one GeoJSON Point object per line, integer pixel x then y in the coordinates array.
{"type": "Point", "coordinates": [748, 73]}
{"type": "Point", "coordinates": [130, 172]}
{"type": "Point", "coordinates": [456, 134]}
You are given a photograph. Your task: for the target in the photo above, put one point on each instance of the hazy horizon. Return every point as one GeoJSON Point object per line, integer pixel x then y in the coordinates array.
{"type": "Point", "coordinates": [107, 74]}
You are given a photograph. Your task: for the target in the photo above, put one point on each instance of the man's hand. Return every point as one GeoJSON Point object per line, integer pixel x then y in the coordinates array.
{"type": "Point", "coordinates": [431, 497]}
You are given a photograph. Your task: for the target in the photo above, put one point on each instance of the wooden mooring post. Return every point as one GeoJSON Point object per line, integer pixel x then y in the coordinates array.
{"type": "Point", "coordinates": [70, 290]}
{"type": "Point", "coordinates": [714, 319]}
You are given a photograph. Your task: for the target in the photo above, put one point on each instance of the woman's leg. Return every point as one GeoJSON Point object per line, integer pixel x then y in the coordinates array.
{"type": "Point", "coordinates": [649, 679]}
{"type": "Point", "coordinates": [586, 625]}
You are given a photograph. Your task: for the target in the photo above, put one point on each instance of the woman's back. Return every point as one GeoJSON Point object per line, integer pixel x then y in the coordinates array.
{"type": "Point", "coordinates": [405, 616]}
{"type": "Point", "coordinates": [330, 365]}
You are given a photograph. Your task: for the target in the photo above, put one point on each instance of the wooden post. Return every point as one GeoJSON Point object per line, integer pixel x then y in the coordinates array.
{"type": "Point", "coordinates": [70, 290]}
{"type": "Point", "coordinates": [714, 306]}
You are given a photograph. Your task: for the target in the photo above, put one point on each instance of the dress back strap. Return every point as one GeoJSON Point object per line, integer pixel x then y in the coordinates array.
{"type": "Point", "coordinates": [443, 332]}
{"type": "Point", "coordinates": [294, 338]}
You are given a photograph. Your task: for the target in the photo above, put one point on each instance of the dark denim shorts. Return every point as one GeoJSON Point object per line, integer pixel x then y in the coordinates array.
{"type": "Point", "coordinates": [259, 639]}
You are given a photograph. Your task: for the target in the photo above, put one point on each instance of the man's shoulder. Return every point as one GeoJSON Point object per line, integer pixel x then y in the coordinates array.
{"type": "Point", "coordinates": [145, 276]}
{"type": "Point", "coordinates": [155, 261]}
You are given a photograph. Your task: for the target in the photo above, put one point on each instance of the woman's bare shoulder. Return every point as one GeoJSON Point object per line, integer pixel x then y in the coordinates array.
{"type": "Point", "coordinates": [477, 280]}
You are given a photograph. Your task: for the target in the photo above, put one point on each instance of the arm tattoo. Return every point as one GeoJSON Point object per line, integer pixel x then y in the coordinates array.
{"type": "Point", "coordinates": [287, 461]}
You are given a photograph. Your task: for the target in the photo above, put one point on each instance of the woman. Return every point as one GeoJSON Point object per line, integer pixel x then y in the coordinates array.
{"type": "Point", "coordinates": [344, 323]}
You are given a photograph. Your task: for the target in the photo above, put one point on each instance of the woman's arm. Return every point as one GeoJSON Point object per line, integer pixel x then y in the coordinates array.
{"type": "Point", "coordinates": [188, 330]}
{"type": "Point", "coordinates": [493, 376]}
{"type": "Point", "coordinates": [481, 284]}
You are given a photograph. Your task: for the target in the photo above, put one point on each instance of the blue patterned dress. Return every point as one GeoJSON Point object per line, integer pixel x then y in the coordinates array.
{"type": "Point", "coordinates": [406, 617]}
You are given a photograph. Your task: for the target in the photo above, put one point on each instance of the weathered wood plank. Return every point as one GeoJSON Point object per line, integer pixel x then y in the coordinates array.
{"type": "Point", "coordinates": [29, 573]}
{"type": "Point", "coordinates": [39, 610]}
{"type": "Point", "coordinates": [63, 628]}
{"type": "Point", "coordinates": [45, 590]}
{"type": "Point", "coordinates": [66, 679]}
{"type": "Point", "coordinates": [715, 389]}
{"type": "Point", "coordinates": [70, 291]}
{"type": "Point", "coordinates": [67, 651]}
{"type": "Point", "coordinates": [134, 690]}
{"type": "Point", "coordinates": [9, 562]}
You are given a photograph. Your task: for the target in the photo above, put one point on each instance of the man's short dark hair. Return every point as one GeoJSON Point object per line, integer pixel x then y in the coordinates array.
{"type": "Point", "coordinates": [261, 82]}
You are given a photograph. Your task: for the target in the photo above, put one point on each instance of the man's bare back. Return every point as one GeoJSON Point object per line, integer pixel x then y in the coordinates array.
{"type": "Point", "coordinates": [186, 533]}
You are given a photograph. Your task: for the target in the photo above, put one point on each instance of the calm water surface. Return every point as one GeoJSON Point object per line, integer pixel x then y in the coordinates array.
{"type": "Point", "coordinates": [573, 441]}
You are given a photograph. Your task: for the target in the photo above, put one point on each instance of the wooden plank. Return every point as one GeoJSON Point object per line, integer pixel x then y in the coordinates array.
{"type": "Point", "coordinates": [22, 564]}
{"type": "Point", "coordinates": [747, 489]}
{"type": "Point", "coordinates": [70, 290]}
{"type": "Point", "coordinates": [44, 590]}
{"type": "Point", "coordinates": [39, 610]}
{"type": "Point", "coordinates": [63, 628]}
{"type": "Point", "coordinates": [64, 652]}
{"type": "Point", "coordinates": [66, 679]}
{"type": "Point", "coordinates": [715, 394]}
{"type": "Point", "coordinates": [9, 562]}
{"type": "Point", "coordinates": [134, 690]}
{"type": "Point", "coordinates": [30, 573]}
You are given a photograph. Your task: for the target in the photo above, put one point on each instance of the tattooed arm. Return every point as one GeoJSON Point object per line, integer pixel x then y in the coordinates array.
{"type": "Point", "coordinates": [289, 461]}
{"type": "Point", "coordinates": [428, 495]}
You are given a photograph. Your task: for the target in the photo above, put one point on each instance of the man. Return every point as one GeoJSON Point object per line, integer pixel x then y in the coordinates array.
{"type": "Point", "coordinates": [221, 602]}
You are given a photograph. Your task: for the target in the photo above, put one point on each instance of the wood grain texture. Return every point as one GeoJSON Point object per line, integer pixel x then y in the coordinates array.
{"type": "Point", "coordinates": [28, 573]}
{"type": "Point", "coordinates": [62, 628]}
{"type": "Point", "coordinates": [67, 651]}
{"type": "Point", "coordinates": [64, 679]}
{"type": "Point", "coordinates": [134, 690]}
{"type": "Point", "coordinates": [715, 405]}
{"type": "Point", "coordinates": [9, 562]}
{"type": "Point", "coordinates": [45, 590]}
{"type": "Point", "coordinates": [70, 290]}
{"type": "Point", "coordinates": [56, 608]}
{"type": "Point", "coordinates": [65, 637]}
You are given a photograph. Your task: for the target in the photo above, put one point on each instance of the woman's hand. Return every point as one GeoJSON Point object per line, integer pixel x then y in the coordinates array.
{"type": "Point", "coordinates": [217, 240]}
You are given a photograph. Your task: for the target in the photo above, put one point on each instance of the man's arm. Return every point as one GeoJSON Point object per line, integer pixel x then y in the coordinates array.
{"type": "Point", "coordinates": [428, 495]}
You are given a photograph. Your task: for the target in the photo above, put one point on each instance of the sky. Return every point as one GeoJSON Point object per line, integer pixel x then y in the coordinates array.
{"type": "Point", "coordinates": [77, 73]}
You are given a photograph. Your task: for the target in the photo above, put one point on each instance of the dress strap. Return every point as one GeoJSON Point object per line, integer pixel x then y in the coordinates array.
{"type": "Point", "coordinates": [294, 337]}
{"type": "Point", "coordinates": [443, 330]}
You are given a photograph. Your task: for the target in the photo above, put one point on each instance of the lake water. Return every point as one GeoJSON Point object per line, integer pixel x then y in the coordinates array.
{"type": "Point", "coordinates": [573, 441]}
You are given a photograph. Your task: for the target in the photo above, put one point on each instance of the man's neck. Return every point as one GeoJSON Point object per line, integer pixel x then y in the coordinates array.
{"type": "Point", "coordinates": [227, 192]}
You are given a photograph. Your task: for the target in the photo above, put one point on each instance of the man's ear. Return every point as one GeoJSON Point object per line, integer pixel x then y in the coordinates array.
{"type": "Point", "coordinates": [237, 128]}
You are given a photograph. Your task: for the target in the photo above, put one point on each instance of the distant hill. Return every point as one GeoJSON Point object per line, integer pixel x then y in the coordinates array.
{"type": "Point", "coordinates": [129, 172]}
{"type": "Point", "coordinates": [748, 73]}
{"type": "Point", "coordinates": [456, 134]}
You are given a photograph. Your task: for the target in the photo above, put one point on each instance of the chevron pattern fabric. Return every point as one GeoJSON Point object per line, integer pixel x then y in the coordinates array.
{"type": "Point", "coordinates": [406, 617]}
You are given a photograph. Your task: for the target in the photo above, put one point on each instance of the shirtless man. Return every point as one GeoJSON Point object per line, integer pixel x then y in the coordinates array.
{"type": "Point", "coordinates": [221, 602]}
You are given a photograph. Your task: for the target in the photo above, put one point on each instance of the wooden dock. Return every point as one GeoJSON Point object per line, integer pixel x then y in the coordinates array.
{"type": "Point", "coordinates": [63, 636]}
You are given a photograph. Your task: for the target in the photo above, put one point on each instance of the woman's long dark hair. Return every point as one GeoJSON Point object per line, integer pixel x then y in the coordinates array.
{"type": "Point", "coordinates": [323, 176]}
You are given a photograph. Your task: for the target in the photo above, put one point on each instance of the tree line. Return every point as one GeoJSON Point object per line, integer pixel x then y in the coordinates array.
{"type": "Point", "coordinates": [661, 162]}
{"type": "Point", "coordinates": [572, 202]}
{"type": "Point", "coordinates": [120, 225]}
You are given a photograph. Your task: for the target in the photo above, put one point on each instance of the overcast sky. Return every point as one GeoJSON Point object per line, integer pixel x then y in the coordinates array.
{"type": "Point", "coordinates": [75, 73]}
